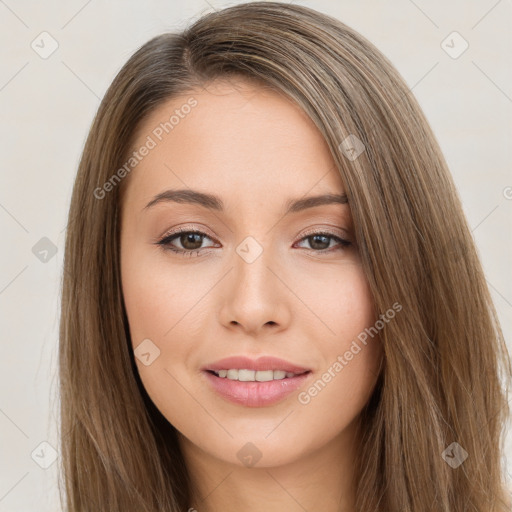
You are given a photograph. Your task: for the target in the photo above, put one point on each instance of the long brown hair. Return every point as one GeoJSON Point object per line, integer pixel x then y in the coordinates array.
{"type": "Point", "coordinates": [445, 357]}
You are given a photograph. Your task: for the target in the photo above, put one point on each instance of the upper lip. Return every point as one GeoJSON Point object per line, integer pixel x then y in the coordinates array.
{"type": "Point", "coordinates": [261, 364]}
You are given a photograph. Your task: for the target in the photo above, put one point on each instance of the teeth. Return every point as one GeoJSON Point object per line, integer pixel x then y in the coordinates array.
{"type": "Point", "coordinates": [254, 376]}
{"type": "Point", "coordinates": [246, 375]}
{"type": "Point", "coordinates": [232, 374]}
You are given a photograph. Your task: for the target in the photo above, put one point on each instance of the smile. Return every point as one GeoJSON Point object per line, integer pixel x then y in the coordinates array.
{"type": "Point", "coordinates": [253, 375]}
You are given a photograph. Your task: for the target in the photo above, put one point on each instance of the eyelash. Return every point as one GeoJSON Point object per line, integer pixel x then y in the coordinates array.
{"type": "Point", "coordinates": [165, 242]}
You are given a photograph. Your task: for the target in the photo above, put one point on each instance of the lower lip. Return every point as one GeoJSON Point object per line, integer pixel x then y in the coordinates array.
{"type": "Point", "coordinates": [255, 394]}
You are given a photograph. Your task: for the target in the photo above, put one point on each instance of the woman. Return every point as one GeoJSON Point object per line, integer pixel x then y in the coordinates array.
{"type": "Point", "coordinates": [271, 297]}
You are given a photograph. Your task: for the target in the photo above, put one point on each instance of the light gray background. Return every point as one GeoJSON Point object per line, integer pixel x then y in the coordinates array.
{"type": "Point", "coordinates": [47, 106]}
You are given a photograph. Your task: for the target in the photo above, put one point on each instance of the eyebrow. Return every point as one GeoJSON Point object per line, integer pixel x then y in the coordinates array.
{"type": "Point", "coordinates": [215, 203]}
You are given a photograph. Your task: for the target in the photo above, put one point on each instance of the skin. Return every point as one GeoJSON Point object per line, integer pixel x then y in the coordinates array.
{"type": "Point", "coordinates": [298, 301]}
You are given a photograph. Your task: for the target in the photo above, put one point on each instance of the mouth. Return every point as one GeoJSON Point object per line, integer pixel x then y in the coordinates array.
{"type": "Point", "coordinates": [255, 383]}
{"type": "Point", "coordinates": [231, 367]}
{"type": "Point", "coordinates": [245, 375]}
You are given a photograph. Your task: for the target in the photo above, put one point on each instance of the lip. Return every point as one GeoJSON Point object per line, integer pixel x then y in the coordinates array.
{"type": "Point", "coordinates": [255, 394]}
{"type": "Point", "coordinates": [262, 363]}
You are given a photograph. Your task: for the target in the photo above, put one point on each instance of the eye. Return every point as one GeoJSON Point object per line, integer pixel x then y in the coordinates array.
{"type": "Point", "coordinates": [189, 239]}
{"type": "Point", "coordinates": [320, 241]}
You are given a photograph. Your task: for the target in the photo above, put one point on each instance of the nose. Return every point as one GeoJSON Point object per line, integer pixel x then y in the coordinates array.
{"type": "Point", "coordinates": [254, 296]}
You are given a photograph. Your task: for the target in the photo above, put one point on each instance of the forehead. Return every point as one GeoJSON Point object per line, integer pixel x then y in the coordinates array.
{"type": "Point", "coordinates": [232, 137]}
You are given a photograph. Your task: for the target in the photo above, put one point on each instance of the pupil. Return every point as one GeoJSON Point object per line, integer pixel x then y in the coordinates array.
{"type": "Point", "coordinates": [189, 237]}
{"type": "Point", "coordinates": [325, 241]}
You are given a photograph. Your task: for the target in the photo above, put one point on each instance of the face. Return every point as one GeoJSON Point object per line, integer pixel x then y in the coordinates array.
{"type": "Point", "coordinates": [244, 274]}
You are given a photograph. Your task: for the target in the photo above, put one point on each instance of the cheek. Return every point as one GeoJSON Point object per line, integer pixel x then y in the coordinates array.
{"type": "Point", "coordinates": [157, 302]}
{"type": "Point", "coordinates": [339, 301]}
{"type": "Point", "coordinates": [350, 347]}
{"type": "Point", "coordinates": [332, 403]}
{"type": "Point", "coordinates": [164, 310]}
{"type": "Point", "coordinates": [156, 295]}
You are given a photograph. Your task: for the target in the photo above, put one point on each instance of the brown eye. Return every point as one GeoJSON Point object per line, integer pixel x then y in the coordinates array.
{"type": "Point", "coordinates": [320, 242]}
{"type": "Point", "coordinates": [189, 240]}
